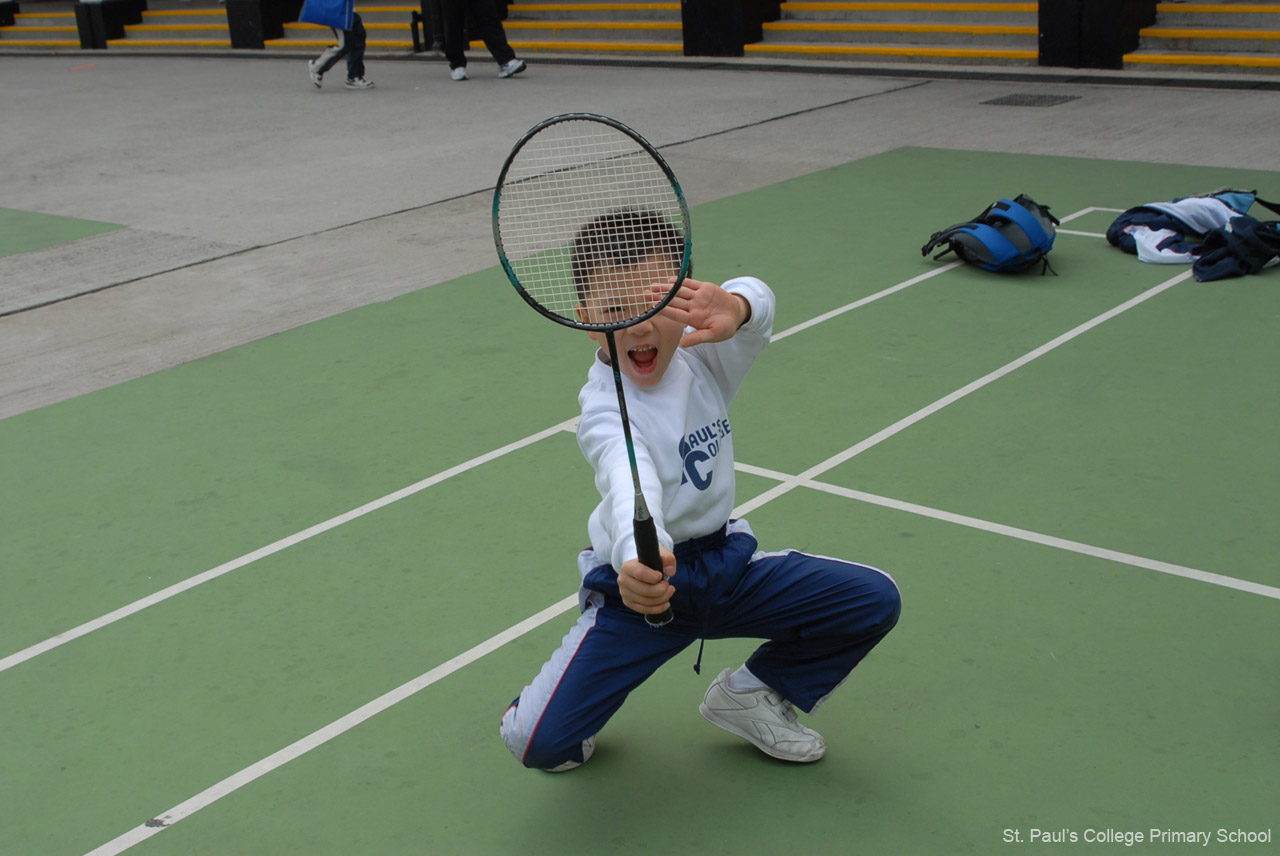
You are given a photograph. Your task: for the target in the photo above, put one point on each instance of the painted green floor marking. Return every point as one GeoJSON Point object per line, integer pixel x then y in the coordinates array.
{"type": "Point", "coordinates": [1025, 687]}
{"type": "Point", "coordinates": [24, 231]}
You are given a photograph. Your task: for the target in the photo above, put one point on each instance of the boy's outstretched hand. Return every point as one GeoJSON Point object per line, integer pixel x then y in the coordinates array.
{"type": "Point", "coordinates": [713, 313]}
{"type": "Point", "coordinates": [645, 589]}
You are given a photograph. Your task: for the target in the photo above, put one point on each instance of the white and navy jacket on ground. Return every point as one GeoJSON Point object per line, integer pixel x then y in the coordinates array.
{"type": "Point", "coordinates": [1165, 232]}
{"type": "Point", "coordinates": [820, 616]}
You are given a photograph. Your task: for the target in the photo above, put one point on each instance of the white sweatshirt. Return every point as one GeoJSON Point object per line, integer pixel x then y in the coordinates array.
{"type": "Point", "coordinates": [681, 433]}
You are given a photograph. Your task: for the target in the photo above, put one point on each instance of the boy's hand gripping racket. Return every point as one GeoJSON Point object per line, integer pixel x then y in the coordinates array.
{"type": "Point", "coordinates": [580, 200]}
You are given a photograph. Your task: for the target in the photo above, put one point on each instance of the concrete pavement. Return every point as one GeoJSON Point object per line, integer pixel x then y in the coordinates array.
{"type": "Point", "coordinates": [254, 203]}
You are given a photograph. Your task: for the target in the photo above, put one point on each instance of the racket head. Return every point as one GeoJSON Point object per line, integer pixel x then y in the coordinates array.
{"type": "Point", "coordinates": [586, 216]}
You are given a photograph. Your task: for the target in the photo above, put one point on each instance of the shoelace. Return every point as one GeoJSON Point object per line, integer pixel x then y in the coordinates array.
{"type": "Point", "coordinates": [788, 712]}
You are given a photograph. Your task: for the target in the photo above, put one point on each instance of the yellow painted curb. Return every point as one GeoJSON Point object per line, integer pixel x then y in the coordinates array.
{"type": "Point", "coordinates": [885, 50]}
{"type": "Point", "coordinates": [1203, 59]}
{"type": "Point", "coordinates": [1176, 33]}
{"type": "Point", "coordinates": [1242, 9]}
{"type": "Point", "coordinates": [911, 7]}
{"type": "Point", "coordinates": [842, 27]}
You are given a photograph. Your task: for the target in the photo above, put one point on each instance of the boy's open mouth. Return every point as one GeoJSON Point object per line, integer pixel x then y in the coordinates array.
{"type": "Point", "coordinates": [643, 359]}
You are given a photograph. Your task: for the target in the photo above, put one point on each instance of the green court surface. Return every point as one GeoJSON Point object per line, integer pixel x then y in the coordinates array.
{"type": "Point", "coordinates": [1074, 500]}
{"type": "Point", "coordinates": [23, 231]}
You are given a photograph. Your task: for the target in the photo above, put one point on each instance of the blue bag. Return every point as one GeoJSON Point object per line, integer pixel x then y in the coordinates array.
{"type": "Point", "coordinates": [1008, 237]}
{"type": "Point", "coordinates": [328, 13]}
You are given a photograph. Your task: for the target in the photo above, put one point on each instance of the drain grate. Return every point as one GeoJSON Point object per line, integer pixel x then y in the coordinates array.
{"type": "Point", "coordinates": [1028, 100]}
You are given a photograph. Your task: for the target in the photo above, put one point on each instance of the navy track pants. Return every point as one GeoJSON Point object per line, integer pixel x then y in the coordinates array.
{"type": "Point", "coordinates": [819, 617]}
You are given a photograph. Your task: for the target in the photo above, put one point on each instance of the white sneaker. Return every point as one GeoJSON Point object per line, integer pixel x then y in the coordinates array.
{"type": "Point", "coordinates": [588, 746]}
{"type": "Point", "coordinates": [763, 717]}
{"type": "Point", "coordinates": [359, 83]}
{"type": "Point", "coordinates": [512, 68]}
{"type": "Point", "coordinates": [312, 69]}
{"type": "Point", "coordinates": [458, 73]}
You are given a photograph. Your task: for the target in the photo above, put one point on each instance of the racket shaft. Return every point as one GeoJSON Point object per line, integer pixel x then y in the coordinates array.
{"type": "Point", "coordinates": [646, 531]}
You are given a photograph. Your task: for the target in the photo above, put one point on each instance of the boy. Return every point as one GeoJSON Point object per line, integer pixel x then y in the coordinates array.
{"type": "Point", "coordinates": [681, 370]}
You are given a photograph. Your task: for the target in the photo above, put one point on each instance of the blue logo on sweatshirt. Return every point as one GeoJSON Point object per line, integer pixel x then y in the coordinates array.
{"type": "Point", "coordinates": [699, 447]}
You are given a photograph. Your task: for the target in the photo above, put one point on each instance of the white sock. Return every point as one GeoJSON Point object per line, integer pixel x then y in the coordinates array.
{"type": "Point", "coordinates": [742, 681]}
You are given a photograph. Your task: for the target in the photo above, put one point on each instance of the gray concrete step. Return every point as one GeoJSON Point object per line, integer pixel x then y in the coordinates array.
{"type": "Point", "coordinates": [594, 27]}
{"type": "Point", "coordinates": [1227, 13]}
{"type": "Point", "coordinates": [950, 31]}
{"type": "Point", "coordinates": [177, 27]}
{"type": "Point", "coordinates": [1228, 35]}
{"type": "Point", "coordinates": [596, 10]}
{"type": "Point", "coordinates": [907, 12]}
{"type": "Point", "coordinates": [864, 32]}
{"type": "Point", "coordinates": [1211, 39]}
{"type": "Point", "coordinates": [42, 30]}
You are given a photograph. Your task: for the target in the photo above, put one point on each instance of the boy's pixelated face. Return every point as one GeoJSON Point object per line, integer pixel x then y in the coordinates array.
{"type": "Point", "coordinates": [614, 294]}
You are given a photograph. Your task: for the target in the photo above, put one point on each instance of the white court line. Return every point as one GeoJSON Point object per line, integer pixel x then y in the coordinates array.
{"type": "Point", "coordinates": [324, 735]}
{"type": "Point", "coordinates": [1081, 213]}
{"type": "Point", "coordinates": [906, 422]}
{"type": "Point", "coordinates": [827, 316]}
{"type": "Point", "coordinates": [298, 537]}
{"type": "Point", "coordinates": [1084, 211]}
{"type": "Point", "coordinates": [329, 732]}
{"type": "Point", "coordinates": [262, 552]}
{"type": "Point", "coordinates": [318, 738]}
{"type": "Point", "coordinates": [1026, 535]}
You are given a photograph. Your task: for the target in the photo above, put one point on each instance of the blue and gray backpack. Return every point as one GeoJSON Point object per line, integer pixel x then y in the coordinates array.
{"type": "Point", "coordinates": [1008, 237]}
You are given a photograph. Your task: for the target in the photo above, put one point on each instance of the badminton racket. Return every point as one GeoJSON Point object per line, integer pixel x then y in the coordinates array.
{"type": "Point", "coordinates": [581, 201]}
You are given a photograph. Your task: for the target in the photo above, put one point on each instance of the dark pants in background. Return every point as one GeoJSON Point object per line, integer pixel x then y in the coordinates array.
{"type": "Point", "coordinates": [481, 20]}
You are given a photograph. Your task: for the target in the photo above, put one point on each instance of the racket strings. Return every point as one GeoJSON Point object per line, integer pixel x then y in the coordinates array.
{"type": "Point", "coordinates": [582, 204]}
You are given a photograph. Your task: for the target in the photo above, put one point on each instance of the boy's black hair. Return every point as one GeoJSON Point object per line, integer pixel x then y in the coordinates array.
{"type": "Point", "coordinates": [622, 238]}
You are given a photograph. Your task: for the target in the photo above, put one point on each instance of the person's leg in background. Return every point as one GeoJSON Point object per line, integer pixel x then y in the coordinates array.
{"type": "Point", "coordinates": [486, 24]}
{"type": "Point", "coordinates": [328, 57]}
{"type": "Point", "coordinates": [355, 55]}
{"type": "Point", "coordinates": [453, 14]}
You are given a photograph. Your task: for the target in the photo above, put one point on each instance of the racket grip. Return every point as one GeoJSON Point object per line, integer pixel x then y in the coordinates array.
{"type": "Point", "coordinates": [648, 554]}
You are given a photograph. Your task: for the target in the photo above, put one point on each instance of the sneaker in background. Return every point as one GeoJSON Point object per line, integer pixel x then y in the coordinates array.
{"type": "Point", "coordinates": [316, 75]}
{"type": "Point", "coordinates": [512, 68]}
{"type": "Point", "coordinates": [458, 73]}
{"type": "Point", "coordinates": [359, 83]}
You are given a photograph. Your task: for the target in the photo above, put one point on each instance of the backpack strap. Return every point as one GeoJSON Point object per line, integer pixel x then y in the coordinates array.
{"type": "Point", "coordinates": [943, 236]}
{"type": "Point", "coordinates": [1273, 207]}
{"type": "Point", "coordinates": [1041, 212]}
